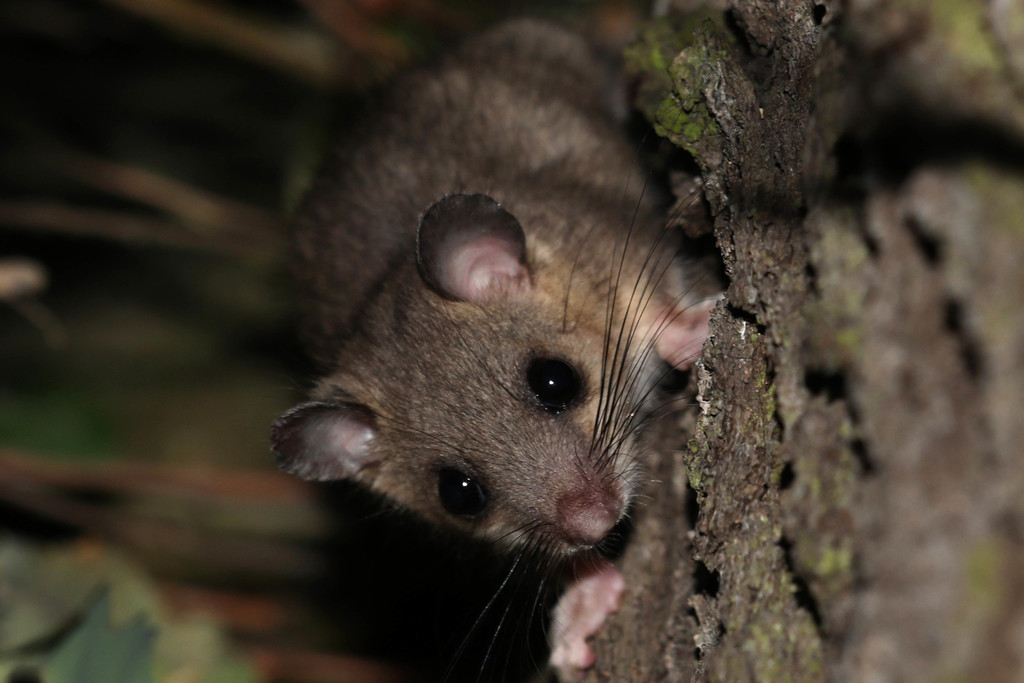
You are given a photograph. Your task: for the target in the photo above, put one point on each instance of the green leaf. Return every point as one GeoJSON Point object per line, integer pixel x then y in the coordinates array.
{"type": "Point", "coordinates": [98, 652]}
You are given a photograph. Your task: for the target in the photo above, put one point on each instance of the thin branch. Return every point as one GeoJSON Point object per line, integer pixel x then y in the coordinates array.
{"type": "Point", "coordinates": [312, 667]}
{"type": "Point", "coordinates": [20, 277]}
{"type": "Point", "coordinates": [209, 212]}
{"type": "Point", "coordinates": [125, 227]}
{"type": "Point", "coordinates": [244, 613]}
{"type": "Point", "coordinates": [299, 53]}
{"type": "Point", "coordinates": [175, 548]}
{"type": "Point", "coordinates": [359, 31]}
{"type": "Point", "coordinates": [140, 478]}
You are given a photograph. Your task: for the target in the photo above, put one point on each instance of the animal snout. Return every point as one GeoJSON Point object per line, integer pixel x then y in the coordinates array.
{"type": "Point", "coordinates": [585, 517]}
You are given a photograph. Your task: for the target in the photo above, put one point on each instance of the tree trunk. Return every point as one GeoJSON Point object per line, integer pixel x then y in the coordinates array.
{"type": "Point", "coordinates": [852, 505]}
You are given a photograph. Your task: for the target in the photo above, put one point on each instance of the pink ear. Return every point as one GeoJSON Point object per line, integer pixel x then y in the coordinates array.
{"type": "Point", "coordinates": [468, 247]}
{"type": "Point", "coordinates": [323, 441]}
{"type": "Point", "coordinates": [681, 332]}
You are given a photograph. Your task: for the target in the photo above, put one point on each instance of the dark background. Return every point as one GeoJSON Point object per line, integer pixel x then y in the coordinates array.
{"type": "Point", "coordinates": [151, 151]}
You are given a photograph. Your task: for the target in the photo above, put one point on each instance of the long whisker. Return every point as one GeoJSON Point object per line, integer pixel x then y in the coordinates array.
{"type": "Point", "coordinates": [625, 375]}
{"type": "Point", "coordinates": [497, 630]}
{"type": "Point", "coordinates": [608, 380]}
{"type": "Point", "coordinates": [602, 395]}
{"type": "Point", "coordinates": [618, 382]}
{"type": "Point", "coordinates": [622, 380]}
{"type": "Point", "coordinates": [523, 530]}
{"type": "Point", "coordinates": [483, 613]}
{"type": "Point", "coordinates": [538, 602]}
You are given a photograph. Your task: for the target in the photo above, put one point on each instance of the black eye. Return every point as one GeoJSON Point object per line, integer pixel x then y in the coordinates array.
{"type": "Point", "coordinates": [554, 383]}
{"type": "Point", "coordinates": [460, 493]}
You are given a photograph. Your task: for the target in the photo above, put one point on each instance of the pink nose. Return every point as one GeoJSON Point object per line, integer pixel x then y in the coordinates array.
{"type": "Point", "coordinates": [585, 517]}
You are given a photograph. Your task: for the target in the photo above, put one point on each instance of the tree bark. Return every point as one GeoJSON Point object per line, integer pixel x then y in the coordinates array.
{"type": "Point", "coordinates": [852, 504]}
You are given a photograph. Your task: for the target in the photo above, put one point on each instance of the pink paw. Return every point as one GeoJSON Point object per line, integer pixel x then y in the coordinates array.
{"type": "Point", "coordinates": [579, 614]}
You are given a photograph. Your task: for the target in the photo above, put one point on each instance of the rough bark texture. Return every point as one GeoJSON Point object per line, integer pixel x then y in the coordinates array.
{"type": "Point", "coordinates": [857, 466]}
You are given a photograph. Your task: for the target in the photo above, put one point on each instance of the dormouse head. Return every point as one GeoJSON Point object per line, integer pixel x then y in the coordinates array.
{"type": "Point", "coordinates": [471, 398]}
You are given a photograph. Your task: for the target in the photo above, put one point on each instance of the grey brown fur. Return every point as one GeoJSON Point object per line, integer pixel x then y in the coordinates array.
{"type": "Point", "coordinates": [420, 381]}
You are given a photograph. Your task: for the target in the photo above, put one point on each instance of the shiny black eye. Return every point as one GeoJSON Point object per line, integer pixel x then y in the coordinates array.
{"type": "Point", "coordinates": [460, 493]}
{"type": "Point", "coordinates": [554, 383]}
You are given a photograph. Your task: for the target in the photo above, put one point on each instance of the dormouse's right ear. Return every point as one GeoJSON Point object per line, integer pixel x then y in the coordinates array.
{"type": "Point", "coordinates": [323, 440]}
{"type": "Point", "coordinates": [468, 247]}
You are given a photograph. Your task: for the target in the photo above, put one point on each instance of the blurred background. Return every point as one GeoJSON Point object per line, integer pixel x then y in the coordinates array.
{"type": "Point", "coordinates": [151, 152]}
